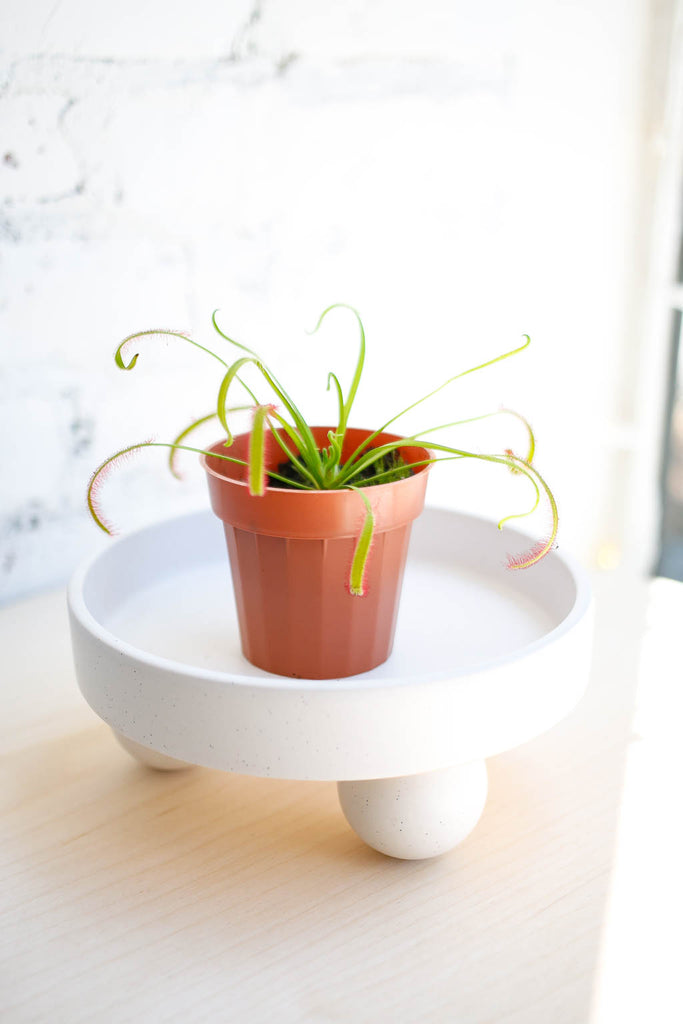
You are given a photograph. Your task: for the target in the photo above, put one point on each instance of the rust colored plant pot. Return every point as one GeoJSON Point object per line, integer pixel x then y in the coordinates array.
{"type": "Point", "coordinates": [290, 554]}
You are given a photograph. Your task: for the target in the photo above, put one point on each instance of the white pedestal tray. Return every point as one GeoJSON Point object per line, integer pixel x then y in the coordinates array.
{"type": "Point", "coordinates": [484, 659]}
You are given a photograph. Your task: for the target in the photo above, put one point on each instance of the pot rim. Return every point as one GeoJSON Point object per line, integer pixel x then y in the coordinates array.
{"type": "Point", "coordinates": [195, 676]}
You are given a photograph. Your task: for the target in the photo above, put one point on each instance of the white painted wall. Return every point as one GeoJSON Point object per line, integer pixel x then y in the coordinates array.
{"type": "Point", "coordinates": [462, 173]}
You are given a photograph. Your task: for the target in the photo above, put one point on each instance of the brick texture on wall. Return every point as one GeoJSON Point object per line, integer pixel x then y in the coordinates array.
{"type": "Point", "coordinates": [461, 173]}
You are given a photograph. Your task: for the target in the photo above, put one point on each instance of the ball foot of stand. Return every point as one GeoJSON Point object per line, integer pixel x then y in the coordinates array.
{"type": "Point", "coordinates": [150, 758]}
{"type": "Point", "coordinates": [416, 816]}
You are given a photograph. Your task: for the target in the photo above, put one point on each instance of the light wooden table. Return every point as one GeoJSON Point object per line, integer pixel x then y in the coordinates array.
{"type": "Point", "coordinates": [132, 895]}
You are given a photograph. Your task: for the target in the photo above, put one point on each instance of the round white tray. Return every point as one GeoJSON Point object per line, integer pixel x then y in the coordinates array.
{"type": "Point", "coordinates": [484, 659]}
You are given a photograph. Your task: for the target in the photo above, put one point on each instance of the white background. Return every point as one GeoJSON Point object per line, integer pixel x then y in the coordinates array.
{"type": "Point", "coordinates": [461, 173]}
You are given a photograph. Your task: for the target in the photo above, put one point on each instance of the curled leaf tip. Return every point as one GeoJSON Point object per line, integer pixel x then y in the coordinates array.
{"type": "Point", "coordinates": [98, 478]}
{"type": "Point", "coordinates": [531, 556]}
{"type": "Point", "coordinates": [328, 309]}
{"type": "Point", "coordinates": [120, 362]}
{"type": "Point", "coordinates": [356, 583]}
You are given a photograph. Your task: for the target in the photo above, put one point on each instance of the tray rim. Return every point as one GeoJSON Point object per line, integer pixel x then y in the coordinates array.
{"type": "Point", "coordinates": [582, 606]}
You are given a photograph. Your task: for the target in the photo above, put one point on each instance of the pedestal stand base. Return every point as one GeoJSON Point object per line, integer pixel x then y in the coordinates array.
{"type": "Point", "coordinates": [411, 817]}
{"type": "Point", "coordinates": [157, 653]}
{"type": "Point", "coordinates": [416, 816]}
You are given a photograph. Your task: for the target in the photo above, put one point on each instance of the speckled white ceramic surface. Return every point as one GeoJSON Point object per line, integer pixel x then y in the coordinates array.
{"type": "Point", "coordinates": [484, 659]}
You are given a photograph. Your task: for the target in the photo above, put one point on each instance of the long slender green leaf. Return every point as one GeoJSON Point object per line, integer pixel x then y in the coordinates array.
{"type": "Point", "coordinates": [355, 381]}
{"type": "Point", "coordinates": [257, 451]}
{"type": "Point", "coordinates": [321, 466]}
{"type": "Point", "coordinates": [221, 402]}
{"type": "Point", "coordinates": [100, 474]}
{"type": "Point", "coordinates": [340, 395]}
{"type": "Point", "coordinates": [292, 434]}
{"type": "Point", "coordinates": [309, 449]}
{"type": "Point", "coordinates": [308, 446]}
{"type": "Point", "coordinates": [288, 482]}
{"type": "Point", "coordinates": [245, 348]}
{"type": "Point", "coordinates": [351, 470]}
{"type": "Point", "coordinates": [532, 439]}
{"type": "Point", "coordinates": [119, 360]}
{"type": "Point", "coordinates": [332, 459]}
{"type": "Point", "coordinates": [389, 475]}
{"type": "Point", "coordinates": [291, 431]}
{"type": "Point", "coordinates": [181, 437]}
{"type": "Point", "coordinates": [510, 461]}
{"type": "Point", "coordinates": [485, 416]}
{"type": "Point", "coordinates": [188, 430]}
{"type": "Point", "coordinates": [473, 369]}
{"type": "Point", "coordinates": [459, 376]}
{"type": "Point", "coordinates": [362, 549]}
{"type": "Point", "coordinates": [118, 355]}
{"type": "Point", "coordinates": [541, 549]}
{"type": "Point", "coordinates": [523, 515]}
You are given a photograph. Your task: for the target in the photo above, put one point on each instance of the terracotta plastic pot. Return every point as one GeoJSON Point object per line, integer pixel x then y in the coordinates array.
{"type": "Point", "coordinates": [291, 552]}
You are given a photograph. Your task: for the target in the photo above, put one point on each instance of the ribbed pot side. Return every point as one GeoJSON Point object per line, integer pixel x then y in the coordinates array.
{"type": "Point", "coordinates": [290, 555]}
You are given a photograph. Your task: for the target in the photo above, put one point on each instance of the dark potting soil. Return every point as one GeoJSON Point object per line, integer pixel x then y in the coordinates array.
{"type": "Point", "coordinates": [391, 462]}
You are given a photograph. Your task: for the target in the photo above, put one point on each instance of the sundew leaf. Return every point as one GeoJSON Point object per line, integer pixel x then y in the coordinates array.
{"type": "Point", "coordinates": [303, 469]}
{"type": "Point", "coordinates": [257, 451]}
{"type": "Point", "coordinates": [464, 373]}
{"type": "Point", "coordinates": [532, 440]}
{"type": "Point", "coordinates": [459, 376]}
{"type": "Point", "coordinates": [358, 372]}
{"type": "Point", "coordinates": [306, 442]}
{"type": "Point", "coordinates": [335, 440]}
{"type": "Point", "coordinates": [119, 360]}
{"type": "Point", "coordinates": [508, 460]}
{"type": "Point", "coordinates": [362, 549]}
{"type": "Point", "coordinates": [269, 376]}
{"type": "Point", "coordinates": [181, 437]}
{"type": "Point", "coordinates": [541, 549]}
{"type": "Point", "coordinates": [521, 515]}
{"type": "Point", "coordinates": [99, 476]}
{"type": "Point", "coordinates": [390, 474]}
{"type": "Point", "coordinates": [322, 468]}
{"type": "Point", "coordinates": [222, 398]}
{"type": "Point", "coordinates": [118, 355]}
{"type": "Point", "coordinates": [485, 416]}
{"type": "Point", "coordinates": [389, 468]}
{"type": "Point", "coordinates": [172, 460]}
{"type": "Point", "coordinates": [353, 469]}
{"type": "Point", "coordinates": [330, 460]}
{"type": "Point", "coordinates": [308, 448]}
{"type": "Point", "coordinates": [238, 344]}
{"type": "Point", "coordinates": [340, 395]}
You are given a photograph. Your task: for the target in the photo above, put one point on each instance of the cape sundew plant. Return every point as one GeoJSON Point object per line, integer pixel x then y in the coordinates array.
{"type": "Point", "coordinates": [306, 466]}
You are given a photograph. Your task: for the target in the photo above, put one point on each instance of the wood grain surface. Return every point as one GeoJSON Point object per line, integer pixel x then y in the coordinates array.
{"type": "Point", "coordinates": [134, 895]}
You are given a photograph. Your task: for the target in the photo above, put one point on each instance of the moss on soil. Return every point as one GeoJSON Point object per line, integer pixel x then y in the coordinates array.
{"type": "Point", "coordinates": [392, 463]}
